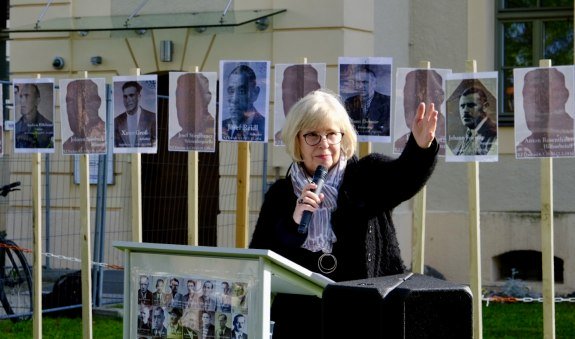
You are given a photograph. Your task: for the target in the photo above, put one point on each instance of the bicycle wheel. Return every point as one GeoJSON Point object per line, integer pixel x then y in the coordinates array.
{"type": "Point", "coordinates": [15, 282]}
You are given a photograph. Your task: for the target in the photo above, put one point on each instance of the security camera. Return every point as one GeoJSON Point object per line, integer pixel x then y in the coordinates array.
{"type": "Point", "coordinates": [58, 62]}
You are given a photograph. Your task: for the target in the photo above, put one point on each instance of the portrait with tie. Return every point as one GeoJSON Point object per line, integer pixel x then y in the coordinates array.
{"type": "Point", "coordinates": [224, 330]}
{"type": "Point", "coordinates": [365, 88]}
{"type": "Point", "coordinates": [135, 114]}
{"type": "Point", "coordinates": [472, 117]}
{"type": "Point", "coordinates": [244, 100]}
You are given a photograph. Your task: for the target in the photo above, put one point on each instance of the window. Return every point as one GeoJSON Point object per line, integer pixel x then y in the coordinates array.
{"type": "Point", "coordinates": [527, 31]}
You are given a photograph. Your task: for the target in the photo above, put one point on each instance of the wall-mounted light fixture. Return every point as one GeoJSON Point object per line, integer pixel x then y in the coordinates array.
{"type": "Point", "coordinates": [166, 50]}
{"type": "Point", "coordinates": [96, 60]}
{"type": "Point", "coordinates": [262, 24]}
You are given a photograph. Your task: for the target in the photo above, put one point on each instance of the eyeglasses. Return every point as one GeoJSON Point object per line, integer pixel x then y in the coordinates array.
{"type": "Point", "coordinates": [313, 138]}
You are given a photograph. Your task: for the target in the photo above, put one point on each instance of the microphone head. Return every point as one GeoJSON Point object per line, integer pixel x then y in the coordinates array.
{"type": "Point", "coordinates": [320, 173]}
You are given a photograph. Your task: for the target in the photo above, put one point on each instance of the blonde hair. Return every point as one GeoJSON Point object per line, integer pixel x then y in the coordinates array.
{"type": "Point", "coordinates": [313, 111]}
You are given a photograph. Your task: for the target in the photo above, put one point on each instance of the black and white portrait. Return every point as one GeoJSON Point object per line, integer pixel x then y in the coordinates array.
{"type": "Point", "coordinates": [365, 88]}
{"type": "Point", "coordinates": [244, 100]}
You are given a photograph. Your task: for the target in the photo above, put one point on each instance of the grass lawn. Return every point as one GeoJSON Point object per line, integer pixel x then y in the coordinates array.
{"type": "Point", "coordinates": [525, 320]}
{"type": "Point", "coordinates": [55, 328]}
{"type": "Point", "coordinates": [511, 320]}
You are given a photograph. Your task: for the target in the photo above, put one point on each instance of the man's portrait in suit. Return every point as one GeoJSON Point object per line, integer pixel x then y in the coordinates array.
{"type": "Point", "coordinates": [545, 129]}
{"type": "Point", "coordinates": [471, 113]}
{"type": "Point", "coordinates": [481, 130]}
{"type": "Point", "coordinates": [223, 330]}
{"type": "Point", "coordinates": [244, 98]}
{"type": "Point", "coordinates": [135, 127]}
{"type": "Point", "coordinates": [83, 111]}
{"type": "Point", "coordinates": [34, 130]}
{"type": "Point", "coordinates": [144, 294]}
{"type": "Point", "coordinates": [240, 327]}
{"type": "Point", "coordinates": [362, 88]}
{"type": "Point", "coordinates": [192, 112]}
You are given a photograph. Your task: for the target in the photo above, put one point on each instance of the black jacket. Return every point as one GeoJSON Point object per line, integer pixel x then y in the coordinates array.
{"type": "Point", "coordinates": [366, 240]}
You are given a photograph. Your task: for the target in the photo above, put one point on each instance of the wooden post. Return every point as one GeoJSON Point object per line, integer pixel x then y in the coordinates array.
{"type": "Point", "coordinates": [243, 188]}
{"type": "Point", "coordinates": [37, 242]}
{"type": "Point", "coordinates": [136, 190]}
{"type": "Point", "coordinates": [547, 240]}
{"type": "Point", "coordinates": [474, 235]}
{"type": "Point", "coordinates": [364, 149]}
{"type": "Point", "coordinates": [86, 243]}
{"type": "Point", "coordinates": [193, 212]}
{"type": "Point", "coordinates": [193, 161]}
{"type": "Point", "coordinates": [418, 230]}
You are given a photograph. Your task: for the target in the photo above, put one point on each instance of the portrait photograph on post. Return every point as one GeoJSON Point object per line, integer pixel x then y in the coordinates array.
{"type": "Point", "coordinates": [244, 100]}
{"type": "Point", "coordinates": [413, 86]}
{"type": "Point", "coordinates": [192, 112]}
{"type": "Point", "coordinates": [471, 106]}
{"type": "Point", "coordinates": [365, 88]}
{"type": "Point", "coordinates": [135, 114]}
{"type": "Point", "coordinates": [544, 110]}
{"type": "Point", "coordinates": [83, 115]}
{"type": "Point", "coordinates": [293, 82]}
{"type": "Point", "coordinates": [34, 115]}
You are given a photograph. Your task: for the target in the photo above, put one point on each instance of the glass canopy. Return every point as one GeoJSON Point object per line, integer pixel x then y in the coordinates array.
{"type": "Point", "coordinates": [147, 21]}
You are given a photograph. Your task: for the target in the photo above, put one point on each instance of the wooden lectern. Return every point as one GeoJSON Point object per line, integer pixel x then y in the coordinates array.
{"type": "Point", "coordinates": [260, 273]}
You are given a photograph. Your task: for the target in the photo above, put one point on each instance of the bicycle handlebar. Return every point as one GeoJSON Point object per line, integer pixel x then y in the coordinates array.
{"type": "Point", "coordinates": [4, 190]}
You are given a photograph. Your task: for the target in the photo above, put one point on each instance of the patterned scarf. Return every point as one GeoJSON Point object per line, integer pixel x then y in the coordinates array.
{"type": "Point", "coordinates": [320, 236]}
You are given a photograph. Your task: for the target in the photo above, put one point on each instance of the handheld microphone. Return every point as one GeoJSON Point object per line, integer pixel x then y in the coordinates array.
{"type": "Point", "coordinates": [318, 179]}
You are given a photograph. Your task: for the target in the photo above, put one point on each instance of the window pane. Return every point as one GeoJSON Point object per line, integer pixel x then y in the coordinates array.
{"type": "Point", "coordinates": [520, 4]}
{"type": "Point", "coordinates": [531, 30]}
{"type": "Point", "coordinates": [509, 4]}
{"type": "Point", "coordinates": [559, 42]}
{"type": "Point", "coordinates": [508, 90]}
{"type": "Point", "coordinates": [517, 44]}
{"type": "Point", "coordinates": [557, 3]}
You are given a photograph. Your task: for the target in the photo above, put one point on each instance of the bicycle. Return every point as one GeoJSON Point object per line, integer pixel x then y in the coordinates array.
{"type": "Point", "coordinates": [15, 275]}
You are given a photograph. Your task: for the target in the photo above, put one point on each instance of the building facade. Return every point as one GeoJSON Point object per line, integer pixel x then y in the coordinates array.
{"type": "Point", "coordinates": [319, 31]}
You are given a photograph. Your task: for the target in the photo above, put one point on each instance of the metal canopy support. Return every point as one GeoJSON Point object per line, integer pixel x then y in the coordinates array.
{"type": "Point", "coordinates": [225, 11]}
{"type": "Point", "coordinates": [135, 12]}
{"type": "Point", "coordinates": [41, 16]}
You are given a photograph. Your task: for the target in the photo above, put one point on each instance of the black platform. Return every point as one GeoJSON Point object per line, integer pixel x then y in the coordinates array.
{"type": "Point", "coordinates": [399, 306]}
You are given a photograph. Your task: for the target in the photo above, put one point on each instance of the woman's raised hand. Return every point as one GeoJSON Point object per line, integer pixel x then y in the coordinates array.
{"type": "Point", "coordinates": [424, 125]}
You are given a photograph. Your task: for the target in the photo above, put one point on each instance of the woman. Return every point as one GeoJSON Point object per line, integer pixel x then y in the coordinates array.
{"type": "Point", "coordinates": [351, 235]}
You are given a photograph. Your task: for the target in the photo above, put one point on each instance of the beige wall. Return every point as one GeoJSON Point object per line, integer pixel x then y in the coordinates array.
{"type": "Point", "coordinates": [321, 31]}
